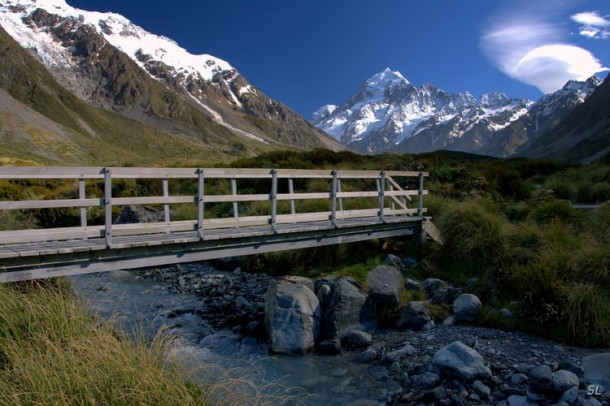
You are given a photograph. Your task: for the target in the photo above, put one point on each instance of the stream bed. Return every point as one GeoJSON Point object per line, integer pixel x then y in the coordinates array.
{"type": "Point", "coordinates": [144, 306]}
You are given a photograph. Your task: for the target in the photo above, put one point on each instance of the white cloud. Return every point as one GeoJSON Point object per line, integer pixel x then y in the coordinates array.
{"type": "Point", "coordinates": [593, 25]}
{"type": "Point", "coordinates": [549, 67]}
{"type": "Point", "coordinates": [591, 18]}
{"type": "Point", "coordinates": [534, 51]}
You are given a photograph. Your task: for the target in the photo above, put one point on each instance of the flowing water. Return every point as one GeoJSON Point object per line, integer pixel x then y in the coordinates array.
{"type": "Point", "coordinates": [143, 306]}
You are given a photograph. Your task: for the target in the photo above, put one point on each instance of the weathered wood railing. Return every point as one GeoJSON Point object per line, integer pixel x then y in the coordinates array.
{"type": "Point", "coordinates": [356, 206]}
{"type": "Point", "coordinates": [387, 190]}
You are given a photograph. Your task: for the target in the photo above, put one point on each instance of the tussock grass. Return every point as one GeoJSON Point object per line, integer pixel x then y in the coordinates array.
{"type": "Point", "coordinates": [472, 236]}
{"type": "Point", "coordinates": [588, 312]}
{"type": "Point", "coordinates": [558, 210]}
{"type": "Point", "coordinates": [52, 352]}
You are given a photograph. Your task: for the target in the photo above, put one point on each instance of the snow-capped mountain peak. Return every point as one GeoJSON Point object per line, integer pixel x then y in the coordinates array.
{"type": "Point", "coordinates": [116, 29]}
{"type": "Point", "coordinates": [387, 111]}
{"type": "Point", "coordinates": [323, 112]}
{"type": "Point", "coordinates": [112, 63]}
{"type": "Point", "coordinates": [495, 99]}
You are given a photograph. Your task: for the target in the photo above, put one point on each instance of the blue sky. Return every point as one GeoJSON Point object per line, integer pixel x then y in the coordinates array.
{"type": "Point", "coordinates": [316, 52]}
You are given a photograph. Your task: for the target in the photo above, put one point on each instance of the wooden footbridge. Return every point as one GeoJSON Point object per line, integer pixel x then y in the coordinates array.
{"type": "Point", "coordinates": [229, 214]}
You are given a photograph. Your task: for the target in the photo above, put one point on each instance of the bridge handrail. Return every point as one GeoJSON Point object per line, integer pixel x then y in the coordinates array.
{"type": "Point", "coordinates": [386, 187]}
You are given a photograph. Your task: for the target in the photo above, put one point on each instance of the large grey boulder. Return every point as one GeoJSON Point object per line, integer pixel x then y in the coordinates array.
{"type": "Point", "coordinates": [564, 380]}
{"type": "Point", "coordinates": [466, 307]}
{"type": "Point", "coordinates": [385, 285]}
{"type": "Point", "coordinates": [445, 295]}
{"type": "Point", "coordinates": [414, 316]}
{"type": "Point", "coordinates": [292, 316]}
{"type": "Point", "coordinates": [460, 361]}
{"type": "Point", "coordinates": [597, 369]}
{"type": "Point", "coordinates": [346, 309]}
{"type": "Point", "coordinates": [299, 280]}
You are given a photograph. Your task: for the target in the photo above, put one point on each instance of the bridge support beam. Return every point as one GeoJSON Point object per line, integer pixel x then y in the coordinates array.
{"type": "Point", "coordinates": [78, 263]}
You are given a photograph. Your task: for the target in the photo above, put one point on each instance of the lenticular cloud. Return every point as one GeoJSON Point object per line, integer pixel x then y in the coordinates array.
{"type": "Point", "coordinates": [531, 51]}
{"type": "Point", "coordinates": [549, 67]}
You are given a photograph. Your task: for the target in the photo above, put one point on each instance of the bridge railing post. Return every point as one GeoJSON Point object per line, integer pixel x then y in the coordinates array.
{"type": "Point", "coordinates": [166, 205]}
{"type": "Point", "coordinates": [333, 199]}
{"type": "Point", "coordinates": [293, 210]}
{"type": "Point", "coordinates": [381, 190]}
{"type": "Point", "coordinates": [420, 207]}
{"type": "Point", "coordinates": [234, 193]}
{"type": "Point", "coordinates": [200, 196]}
{"type": "Point", "coordinates": [273, 198]}
{"type": "Point", "coordinates": [339, 191]}
{"type": "Point", "coordinates": [108, 206]}
{"type": "Point", "coordinates": [83, 210]}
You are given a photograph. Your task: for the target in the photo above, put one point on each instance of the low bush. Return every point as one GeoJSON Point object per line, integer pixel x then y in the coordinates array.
{"type": "Point", "coordinates": [557, 210]}
{"type": "Point", "coordinates": [472, 237]}
{"type": "Point", "coordinates": [587, 309]}
{"type": "Point", "coordinates": [563, 189]}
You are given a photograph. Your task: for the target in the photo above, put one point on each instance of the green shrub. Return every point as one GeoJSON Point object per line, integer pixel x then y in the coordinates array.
{"type": "Point", "coordinates": [524, 242]}
{"type": "Point", "coordinates": [600, 192]}
{"type": "Point", "coordinates": [434, 204]}
{"type": "Point", "coordinates": [591, 264]}
{"type": "Point", "coordinates": [564, 189]}
{"type": "Point", "coordinates": [557, 210]}
{"type": "Point", "coordinates": [53, 353]}
{"type": "Point", "coordinates": [602, 222]}
{"type": "Point", "coordinates": [472, 236]}
{"type": "Point", "coordinates": [17, 220]}
{"type": "Point", "coordinates": [539, 287]}
{"type": "Point", "coordinates": [587, 312]}
{"type": "Point", "coordinates": [517, 212]}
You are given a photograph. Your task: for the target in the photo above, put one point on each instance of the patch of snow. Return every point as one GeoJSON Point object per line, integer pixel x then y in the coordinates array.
{"type": "Point", "coordinates": [218, 119]}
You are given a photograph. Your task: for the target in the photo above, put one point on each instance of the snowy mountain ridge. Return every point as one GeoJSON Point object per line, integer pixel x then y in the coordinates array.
{"type": "Point", "coordinates": [116, 29]}
{"type": "Point", "coordinates": [388, 113]}
{"type": "Point", "coordinates": [109, 62]}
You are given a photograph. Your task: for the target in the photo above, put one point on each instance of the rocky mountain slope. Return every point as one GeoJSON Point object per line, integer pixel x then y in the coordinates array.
{"type": "Point", "coordinates": [108, 62]}
{"type": "Point", "coordinates": [388, 113]}
{"type": "Point", "coordinates": [583, 135]}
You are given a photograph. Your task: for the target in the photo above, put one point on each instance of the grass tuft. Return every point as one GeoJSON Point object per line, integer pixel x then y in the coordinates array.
{"type": "Point", "coordinates": [52, 352]}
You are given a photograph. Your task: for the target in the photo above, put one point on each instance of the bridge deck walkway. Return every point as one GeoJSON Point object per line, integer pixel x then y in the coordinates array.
{"type": "Point", "coordinates": [70, 257]}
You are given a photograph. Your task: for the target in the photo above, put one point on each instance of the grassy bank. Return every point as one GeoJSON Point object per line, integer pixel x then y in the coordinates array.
{"type": "Point", "coordinates": [52, 352]}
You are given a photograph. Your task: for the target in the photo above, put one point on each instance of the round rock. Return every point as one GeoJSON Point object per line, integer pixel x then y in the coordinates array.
{"type": "Point", "coordinates": [414, 316]}
{"type": "Point", "coordinates": [466, 307]}
{"type": "Point", "coordinates": [359, 338]}
{"type": "Point", "coordinates": [564, 380]}
{"type": "Point", "coordinates": [460, 361]}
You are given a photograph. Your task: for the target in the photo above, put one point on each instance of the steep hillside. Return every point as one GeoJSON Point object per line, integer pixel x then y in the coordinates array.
{"type": "Point", "coordinates": [44, 122]}
{"type": "Point", "coordinates": [584, 135]}
{"type": "Point", "coordinates": [110, 63]}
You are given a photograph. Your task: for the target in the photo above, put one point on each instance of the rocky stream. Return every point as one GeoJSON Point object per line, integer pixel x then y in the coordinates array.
{"type": "Point", "coordinates": [314, 342]}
